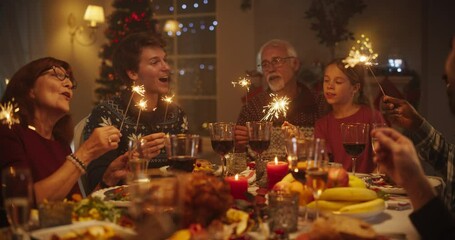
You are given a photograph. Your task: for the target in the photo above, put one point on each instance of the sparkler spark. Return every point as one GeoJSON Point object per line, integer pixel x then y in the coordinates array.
{"type": "Point", "coordinates": [140, 90]}
{"type": "Point", "coordinates": [364, 55]}
{"type": "Point", "coordinates": [167, 100]}
{"type": "Point", "coordinates": [278, 106]}
{"type": "Point", "coordinates": [7, 114]}
{"type": "Point", "coordinates": [142, 105]}
{"type": "Point", "coordinates": [243, 82]}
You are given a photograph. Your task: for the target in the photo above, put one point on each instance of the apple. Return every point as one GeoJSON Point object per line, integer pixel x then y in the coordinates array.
{"type": "Point", "coordinates": [337, 177]}
{"type": "Point", "coordinates": [305, 194]}
{"type": "Point", "coordinates": [282, 186]}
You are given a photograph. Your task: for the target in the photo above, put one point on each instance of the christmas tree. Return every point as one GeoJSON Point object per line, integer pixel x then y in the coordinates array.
{"type": "Point", "coordinates": [129, 16]}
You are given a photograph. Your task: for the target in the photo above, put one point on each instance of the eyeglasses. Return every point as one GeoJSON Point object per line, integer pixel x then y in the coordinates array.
{"type": "Point", "coordinates": [276, 62]}
{"type": "Point", "coordinates": [59, 73]}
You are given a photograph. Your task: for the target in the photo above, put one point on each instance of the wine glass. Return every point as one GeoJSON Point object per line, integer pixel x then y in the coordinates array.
{"type": "Point", "coordinates": [374, 140]}
{"type": "Point", "coordinates": [259, 140]}
{"type": "Point", "coordinates": [137, 161]}
{"type": "Point", "coordinates": [354, 138]}
{"type": "Point", "coordinates": [317, 169]}
{"type": "Point", "coordinates": [297, 150]}
{"type": "Point", "coordinates": [17, 186]}
{"type": "Point", "coordinates": [222, 137]}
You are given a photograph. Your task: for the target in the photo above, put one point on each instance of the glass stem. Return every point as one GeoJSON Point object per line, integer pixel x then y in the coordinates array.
{"type": "Point", "coordinates": [353, 165]}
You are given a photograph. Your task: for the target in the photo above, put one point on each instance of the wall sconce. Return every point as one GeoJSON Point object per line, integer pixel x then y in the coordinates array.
{"type": "Point", "coordinates": [86, 36]}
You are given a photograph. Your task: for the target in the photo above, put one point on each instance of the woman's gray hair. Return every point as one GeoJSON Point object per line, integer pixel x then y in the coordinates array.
{"type": "Point", "coordinates": [275, 42]}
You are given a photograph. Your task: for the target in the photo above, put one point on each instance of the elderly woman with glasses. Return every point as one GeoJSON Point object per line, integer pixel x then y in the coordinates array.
{"type": "Point", "coordinates": [42, 90]}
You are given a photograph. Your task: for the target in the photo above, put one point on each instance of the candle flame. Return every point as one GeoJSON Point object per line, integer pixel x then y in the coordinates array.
{"type": "Point", "coordinates": [362, 54]}
{"type": "Point", "coordinates": [276, 160]}
{"type": "Point", "coordinates": [278, 106]}
{"type": "Point", "coordinates": [236, 177]}
{"type": "Point", "coordinates": [7, 114]}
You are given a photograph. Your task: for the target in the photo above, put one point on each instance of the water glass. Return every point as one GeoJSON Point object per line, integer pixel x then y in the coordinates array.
{"type": "Point", "coordinates": [137, 161]}
{"type": "Point", "coordinates": [17, 189]}
{"type": "Point", "coordinates": [284, 210]}
{"type": "Point", "coordinates": [182, 150]}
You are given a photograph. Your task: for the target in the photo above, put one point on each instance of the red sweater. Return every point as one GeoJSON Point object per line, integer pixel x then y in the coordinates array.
{"type": "Point", "coordinates": [329, 128]}
{"type": "Point", "coordinates": [23, 147]}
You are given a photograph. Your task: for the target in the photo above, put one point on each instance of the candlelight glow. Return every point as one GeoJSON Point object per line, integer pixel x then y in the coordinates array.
{"type": "Point", "coordinates": [276, 160]}
{"type": "Point", "coordinates": [278, 106]}
{"type": "Point", "coordinates": [7, 114]}
{"type": "Point", "coordinates": [236, 177]}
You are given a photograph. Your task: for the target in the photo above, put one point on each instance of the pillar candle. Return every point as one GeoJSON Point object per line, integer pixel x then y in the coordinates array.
{"type": "Point", "coordinates": [239, 186]}
{"type": "Point", "coordinates": [276, 170]}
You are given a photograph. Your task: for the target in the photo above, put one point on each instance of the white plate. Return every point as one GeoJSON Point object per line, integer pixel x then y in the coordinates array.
{"type": "Point", "coordinates": [100, 194]}
{"type": "Point", "coordinates": [46, 234]}
{"type": "Point", "coordinates": [434, 181]}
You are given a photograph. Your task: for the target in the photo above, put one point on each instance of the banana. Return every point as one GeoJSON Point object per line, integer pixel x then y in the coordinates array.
{"type": "Point", "coordinates": [356, 182]}
{"type": "Point", "coordinates": [330, 205]}
{"type": "Point", "coordinates": [373, 205]}
{"type": "Point", "coordinates": [348, 194]}
{"type": "Point", "coordinates": [288, 178]}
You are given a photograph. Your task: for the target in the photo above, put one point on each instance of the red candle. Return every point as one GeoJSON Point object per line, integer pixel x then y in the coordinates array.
{"type": "Point", "coordinates": [276, 170]}
{"type": "Point", "coordinates": [239, 186]}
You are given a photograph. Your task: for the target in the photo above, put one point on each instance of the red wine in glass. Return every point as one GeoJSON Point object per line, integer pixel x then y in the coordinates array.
{"type": "Point", "coordinates": [259, 146]}
{"type": "Point", "coordinates": [354, 149]}
{"type": "Point", "coordinates": [222, 147]}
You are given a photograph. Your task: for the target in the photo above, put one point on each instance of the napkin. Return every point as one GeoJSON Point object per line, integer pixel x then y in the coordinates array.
{"type": "Point", "coordinates": [249, 174]}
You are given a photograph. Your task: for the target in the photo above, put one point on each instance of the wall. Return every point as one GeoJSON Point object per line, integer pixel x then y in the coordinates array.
{"type": "Point", "coordinates": [84, 59]}
{"type": "Point", "coordinates": [418, 31]}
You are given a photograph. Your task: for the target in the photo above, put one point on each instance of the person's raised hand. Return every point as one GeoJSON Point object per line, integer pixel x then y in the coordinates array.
{"type": "Point", "coordinates": [153, 145]}
{"type": "Point", "coordinates": [401, 113]}
{"type": "Point", "coordinates": [117, 170]}
{"type": "Point", "coordinates": [102, 140]}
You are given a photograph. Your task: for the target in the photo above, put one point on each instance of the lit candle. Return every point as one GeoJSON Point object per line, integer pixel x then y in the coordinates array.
{"type": "Point", "coordinates": [239, 186]}
{"type": "Point", "coordinates": [276, 170]}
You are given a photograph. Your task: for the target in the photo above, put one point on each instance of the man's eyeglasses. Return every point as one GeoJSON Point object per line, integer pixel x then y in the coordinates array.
{"type": "Point", "coordinates": [60, 74]}
{"type": "Point", "coordinates": [276, 62]}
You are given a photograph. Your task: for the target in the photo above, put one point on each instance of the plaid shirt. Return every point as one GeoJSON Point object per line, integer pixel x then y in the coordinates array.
{"type": "Point", "coordinates": [434, 149]}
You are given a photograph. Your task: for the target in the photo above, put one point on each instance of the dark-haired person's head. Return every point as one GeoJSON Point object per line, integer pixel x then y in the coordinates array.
{"type": "Point", "coordinates": [128, 55]}
{"type": "Point", "coordinates": [45, 83]}
{"type": "Point", "coordinates": [449, 76]}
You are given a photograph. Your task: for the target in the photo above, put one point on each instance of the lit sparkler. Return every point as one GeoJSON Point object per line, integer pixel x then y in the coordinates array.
{"type": "Point", "coordinates": [7, 114]}
{"type": "Point", "coordinates": [278, 106]}
{"type": "Point", "coordinates": [142, 105]}
{"type": "Point", "coordinates": [138, 89]}
{"type": "Point", "coordinates": [245, 83]}
{"type": "Point", "coordinates": [363, 54]}
{"type": "Point", "coordinates": [167, 100]}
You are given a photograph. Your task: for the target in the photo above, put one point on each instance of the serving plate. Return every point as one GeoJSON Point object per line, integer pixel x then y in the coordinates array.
{"type": "Point", "coordinates": [81, 227]}
{"type": "Point", "coordinates": [393, 189]}
{"type": "Point", "coordinates": [104, 194]}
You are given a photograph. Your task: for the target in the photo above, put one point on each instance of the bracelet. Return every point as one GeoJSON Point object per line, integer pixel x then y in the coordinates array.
{"type": "Point", "coordinates": [78, 162]}
{"type": "Point", "coordinates": [75, 164]}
